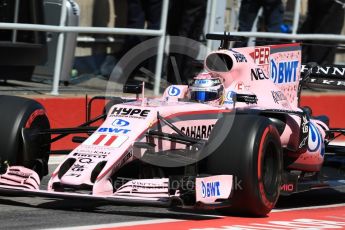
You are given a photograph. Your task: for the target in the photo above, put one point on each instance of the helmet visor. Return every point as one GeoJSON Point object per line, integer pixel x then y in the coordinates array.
{"type": "Point", "coordinates": [204, 96]}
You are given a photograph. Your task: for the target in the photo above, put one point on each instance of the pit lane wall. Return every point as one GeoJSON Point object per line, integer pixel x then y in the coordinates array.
{"type": "Point", "coordinates": [71, 112]}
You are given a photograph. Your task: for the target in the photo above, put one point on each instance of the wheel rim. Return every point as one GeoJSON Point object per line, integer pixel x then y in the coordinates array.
{"type": "Point", "coordinates": [270, 169]}
{"type": "Point", "coordinates": [39, 161]}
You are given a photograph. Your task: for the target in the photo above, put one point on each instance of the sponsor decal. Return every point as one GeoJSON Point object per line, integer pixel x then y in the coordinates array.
{"type": "Point", "coordinates": [247, 98]}
{"type": "Point", "coordinates": [203, 89]}
{"type": "Point", "coordinates": [303, 142]}
{"type": "Point", "coordinates": [283, 110]}
{"type": "Point", "coordinates": [261, 55]}
{"type": "Point", "coordinates": [334, 70]}
{"type": "Point", "coordinates": [120, 123]}
{"type": "Point", "coordinates": [85, 160]}
{"type": "Point", "coordinates": [315, 139]}
{"type": "Point", "coordinates": [278, 96]}
{"type": "Point", "coordinates": [333, 82]}
{"type": "Point", "coordinates": [129, 112]}
{"type": "Point", "coordinates": [101, 152]}
{"type": "Point", "coordinates": [106, 140]}
{"type": "Point", "coordinates": [174, 91]}
{"type": "Point", "coordinates": [305, 127]}
{"type": "Point", "coordinates": [241, 86]}
{"type": "Point", "coordinates": [206, 82]}
{"type": "Point", "coordinates": [284, 72]}
{"type": "Point", "coordinates": [201, 82]}
{"type": "Point", "coordinates": [73, 174]}
{"type": "Point", "coordinates": [136, 185]}
{"type": "Point", "coordinates": [92, 149]}
{"type": "Point", "coordinates": [258, 74]}
{"type": "Point", "coordinates": [229, 97]}
{"type": "Point", "coordinates": [239, 57]}
{"type": "Point", "coordinates": [90, 155]}
{"type": "Point", "coordinates": [304, 132]}
{"type": "Point", "coordinates": [126, 158]}
{"type": "Point", "coordinates": [287, 187]}
{"type": "Point", "coordinates": [210, 189]}
{"type": "Point", "coordinates": [113, 130]}
{"type": "Point", "coordinates": [200, 131]}
{"type": "Point", "coordinates": [78, 168]}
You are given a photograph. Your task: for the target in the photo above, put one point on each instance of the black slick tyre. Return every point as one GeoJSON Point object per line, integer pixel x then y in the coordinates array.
{"type": "Point", "coordinates": [21, 120]}
{"type": "Point", "coordinates": [251, 152]}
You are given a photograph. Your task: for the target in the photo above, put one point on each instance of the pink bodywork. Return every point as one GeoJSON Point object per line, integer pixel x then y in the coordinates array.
{"type": "Point", "coordinates": [272, 73]}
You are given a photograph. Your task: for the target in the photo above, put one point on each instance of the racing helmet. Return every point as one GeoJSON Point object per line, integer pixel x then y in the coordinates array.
{"type": "Point", "coordinates": [206, 88]}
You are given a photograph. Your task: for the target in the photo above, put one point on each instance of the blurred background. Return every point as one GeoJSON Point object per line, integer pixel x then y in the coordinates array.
{"type": "Point", "coordinates": [43, 55]}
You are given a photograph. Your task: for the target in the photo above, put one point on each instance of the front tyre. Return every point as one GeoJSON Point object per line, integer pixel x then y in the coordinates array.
{"type": "Point", "coordinates": [21, 121]}
{"type": "Point", "coordinates": [252, 153]}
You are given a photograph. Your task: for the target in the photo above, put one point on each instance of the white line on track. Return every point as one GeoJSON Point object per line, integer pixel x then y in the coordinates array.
{"type": "Point", "coordinates": [337, 217]}
{"type": "Point", "coordinates": [311, 207]}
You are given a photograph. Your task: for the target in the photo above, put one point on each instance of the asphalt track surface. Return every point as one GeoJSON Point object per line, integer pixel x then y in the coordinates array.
{"type": "Point", "coordinates": [43, 213]}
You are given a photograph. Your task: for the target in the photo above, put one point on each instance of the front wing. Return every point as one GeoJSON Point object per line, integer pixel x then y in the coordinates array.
{"type": "Point", "coordinates": [210, 192]}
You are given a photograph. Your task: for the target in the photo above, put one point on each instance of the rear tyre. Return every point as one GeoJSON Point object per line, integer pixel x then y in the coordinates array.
{"type": "Point", "coordinates": [22, 146]}
{"type": "Point", "coordinates": [252, 153]}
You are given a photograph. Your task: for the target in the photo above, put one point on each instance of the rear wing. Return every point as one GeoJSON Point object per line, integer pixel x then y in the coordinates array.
{"type": "Point", "coordinates": [323, 77]}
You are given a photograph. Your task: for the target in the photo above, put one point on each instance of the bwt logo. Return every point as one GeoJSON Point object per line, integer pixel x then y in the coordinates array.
{"type": "Point", "coordinates": [120, 123]}
{"type": "Point", "coordinates": [174, 91]}
{"type": "Point", "coordinates": [113, 130]}
{"type": "Point", "coordinates": [210, 189]}
{"type": "Point", "coordinates": [284, 72]}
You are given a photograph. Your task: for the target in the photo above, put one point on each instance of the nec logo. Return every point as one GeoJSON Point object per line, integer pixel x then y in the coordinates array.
{"type": "Point", "coordinates": [120, 123]}
{"type": "Point", "coordinates": [258, 74]}
{"type": "Point", "coordinates": [113, 130]}
{"type": "Point", "coordinates": [261, 55]}
{"type": "Point", "coordinates": [210, 189]}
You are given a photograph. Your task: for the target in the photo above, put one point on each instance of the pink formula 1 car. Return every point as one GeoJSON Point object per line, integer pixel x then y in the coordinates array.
{"type": "Point", "coordinates": [234, 139]}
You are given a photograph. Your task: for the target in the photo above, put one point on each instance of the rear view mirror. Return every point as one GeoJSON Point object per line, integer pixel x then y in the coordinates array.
{"type": "Point", "coordinates": [134, 87]}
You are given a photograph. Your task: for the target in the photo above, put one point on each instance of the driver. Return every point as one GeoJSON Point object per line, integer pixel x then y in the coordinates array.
{"type": "Point", "coordinates": [206, 88]}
